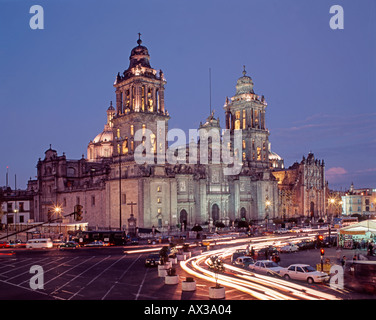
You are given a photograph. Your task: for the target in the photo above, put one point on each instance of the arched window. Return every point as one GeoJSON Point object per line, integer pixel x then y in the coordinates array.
{"type": "Point", "coordinates": [125, 146]}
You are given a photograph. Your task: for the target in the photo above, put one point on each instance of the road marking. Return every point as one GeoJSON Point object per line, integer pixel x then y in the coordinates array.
{"type": "Point", "coordinates": [33, 262]}
{"type": "Point", "coordinates": [121, 277]}
{"type": "Point", "coordinates": [92, 280]}
{"type": "Point", "coordinates": [55, 291]}
{"type": "Point", "coordinates": [142, 283]}
{"type": "Point", "coordinates": [52, 268]}
{"type": "Point", "coordinates": [28, 272]}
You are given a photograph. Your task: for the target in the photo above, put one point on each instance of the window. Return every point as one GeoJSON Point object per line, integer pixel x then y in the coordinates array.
{"type": "Point", "coordinates": [125, 146]}
{"type": "Point", "coordinates": [299, 269]}
{"type": "Point", "coordinates": [159, 189]}
{"type": "Point", "coordinates": [237, 121]}
{"type": "Point", "coordinates": [258, 153]}
{"type": "Point", "coordinates": [77, 200]}
{"type": "Point", "coordinates": [243, 144]}
{"type": "Point", "coordinates": [21, 207]}
{"type": "Point", "coordinates": [143, 129]}
{"type": "Point", "coordinates": [132, 130]}
{"type": "Point", "coordinates": [159, 200]}
{"type": "Point", "coordinates": [244, 119]}
{"type": "Point", "coordinates": [92, 200]}
{"type": "Point", "coordinates": [123, 198]}
{"type": "Point", "coordinates": [22, 219]}
{"type": "Point", "coordinates": [118, 133]}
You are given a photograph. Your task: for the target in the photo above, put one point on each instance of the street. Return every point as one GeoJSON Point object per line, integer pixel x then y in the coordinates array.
{"type": "Point", "coordinates": [119, 273]}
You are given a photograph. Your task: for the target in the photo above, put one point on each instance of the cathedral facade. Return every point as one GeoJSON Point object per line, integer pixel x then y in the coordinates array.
{"type": "Point", "coordinates": [127, 172]}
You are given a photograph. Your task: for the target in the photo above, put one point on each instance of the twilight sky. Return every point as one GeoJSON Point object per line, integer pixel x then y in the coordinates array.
{"type": "Point", "coordinates": [320, 84]}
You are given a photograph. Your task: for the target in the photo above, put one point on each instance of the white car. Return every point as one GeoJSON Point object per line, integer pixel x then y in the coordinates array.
{"type": "Point", "coordinates": [289, 248]}
{"type": "Point", "coordinates": [304, 272]}
{"type": "Point", "coordinates": [39, 243]}
{"type": "Point", "coordinates": [270, 268]}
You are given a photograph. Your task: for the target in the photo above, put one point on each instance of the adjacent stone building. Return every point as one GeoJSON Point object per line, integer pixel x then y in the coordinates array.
{"type": "Point", "coordinates": [302, 189]}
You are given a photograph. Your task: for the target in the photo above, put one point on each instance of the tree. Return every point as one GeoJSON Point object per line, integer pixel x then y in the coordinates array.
{"type": "Point", "coordinates": [216, 264]}
{"type": "Point", "coordinates": [197, 228]}
{"type": "Point", "coordinates": [163, 254]}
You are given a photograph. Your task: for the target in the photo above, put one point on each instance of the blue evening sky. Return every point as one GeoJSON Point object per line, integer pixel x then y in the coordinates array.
{"type": "Point", "coordinates": [56, 84]}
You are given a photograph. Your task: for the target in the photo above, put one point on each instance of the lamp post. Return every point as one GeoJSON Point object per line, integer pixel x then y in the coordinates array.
{"type": "Point", "coordinates": [119, 154]}
{"type": "Point", "coordinates": [58, 210]}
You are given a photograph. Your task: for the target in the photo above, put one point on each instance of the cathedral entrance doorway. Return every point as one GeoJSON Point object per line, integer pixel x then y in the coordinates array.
{"type": "Point", "coordinates": [215, 213]}
{"type": "Point", "coordinates": [183, 219]}
{"type": "Point", "coordinates": [312, 209]}
{"type": "Point", "coordinates": [243, 213]}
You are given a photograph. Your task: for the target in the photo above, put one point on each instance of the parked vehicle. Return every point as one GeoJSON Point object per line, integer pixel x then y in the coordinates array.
{"type": "Point", "coordinates": [289, 248]}
{"type": "Point", "coordinates": [267, 252]}
{"type": "Point", "coordinates": [57, 243]}
{"type": "Point", "coordinates": [69, 245]}
{"type": "Point", "coordinates": [95, 244]}
{"type": "Point", "coordinates": [152, 260]}
{"type": "Point", "coordinates": [330, 241]}
{"type": "Point", "coordinates": [306, 244]}
{"type": "Point", "coordinates": [3, 244]}
{"type": "Point", "coordinates": [270, 268]}
{"type": "Point", "coordinates": [44, 243]}
{"type": "Point", "coordinates": [16, 244]}
{"type": "Point", "coordinates": [238, 253]}
{"type": "Point", "coordinates": [243, 261]}
{"type": "Point", "coordinates": [304, 272]}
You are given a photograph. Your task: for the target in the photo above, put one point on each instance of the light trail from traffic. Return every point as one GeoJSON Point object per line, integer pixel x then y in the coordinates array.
{"type": "Point", "coordinates": [256, 285]}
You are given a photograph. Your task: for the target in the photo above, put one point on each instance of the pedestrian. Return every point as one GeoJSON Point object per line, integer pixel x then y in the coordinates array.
{"type": "Point", "coordinates": [343, 261]}
{"type": "Point", "coordinates": [252, 253]}
{"type": "Point", "coordinates": [370, 249]}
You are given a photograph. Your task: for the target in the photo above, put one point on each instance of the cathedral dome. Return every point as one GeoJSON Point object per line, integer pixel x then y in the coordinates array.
{"type": "Point", "coordinates": [139, 55]}
{"type": "Point", "coordinates": [106, 135]}
{"type": "Point", "coordinates": [244, 84]}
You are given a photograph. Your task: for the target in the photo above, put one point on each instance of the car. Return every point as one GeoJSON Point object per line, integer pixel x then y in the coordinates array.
{"type": "Point", "coordinates": [238, 253]}
{"type": "Point", "coordinates": [304, 272]}
{"type": "Point", "coordinates": [270, 268]}
{"type": "Point", "coordinates": [69, 245]}
{"type": "Point", "coordinates": [289, 248]}
{"type": "Point", "coordinates": [133, 241]}
{"type": "Point", "coordinates": [306, 244]}
{"type": "Point", "coordinates": [39, 243]}
{"type": "Point", "coordinates": [281, 231]}
{"type": "Point", "coordinates": [16, 244]}
{"type": "Point", "coordinates": [243, 261]}
{"type": "Point", "coordinates": [152, 260]}
{"type": "Point", "coordinates": [57, 243]}
{"type": "Point", "coordinates": [95, 243]}
{"type": "Point", "coordinates": [3, 244]}
{"type": "Point", "coordinates": [330, 241]}
{"type": "Point", "coordinates": [267, 252]}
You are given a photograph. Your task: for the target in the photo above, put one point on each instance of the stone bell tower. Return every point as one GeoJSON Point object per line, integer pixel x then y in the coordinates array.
{"type": "Point", "coordinates": [139, 104]}
{"type": "Point", "coordinates": [246, 111]}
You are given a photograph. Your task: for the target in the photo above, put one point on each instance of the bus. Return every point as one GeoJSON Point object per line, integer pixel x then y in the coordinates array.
{"type": "Point", "coordinates": [112, 238]}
